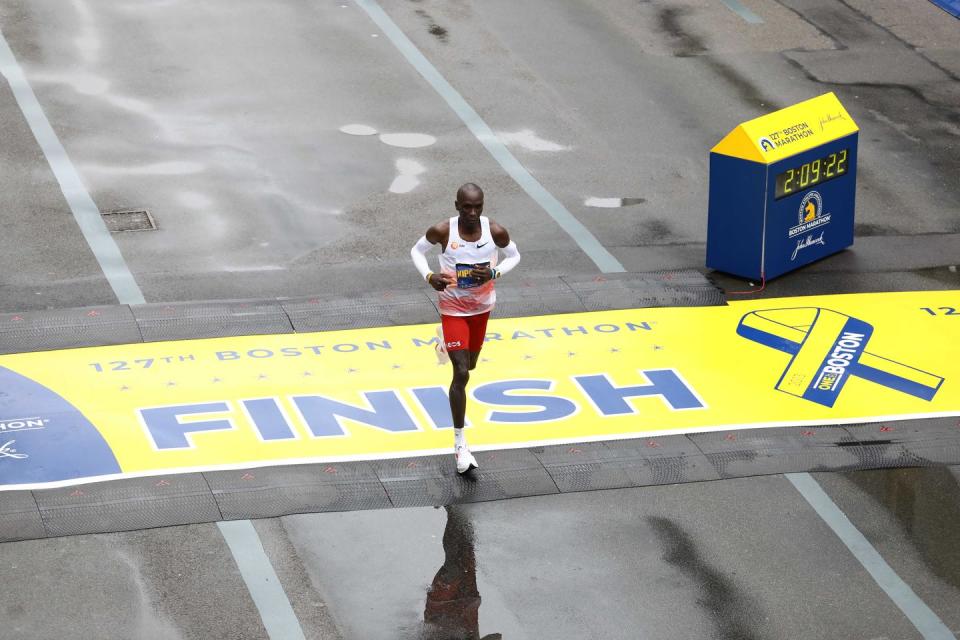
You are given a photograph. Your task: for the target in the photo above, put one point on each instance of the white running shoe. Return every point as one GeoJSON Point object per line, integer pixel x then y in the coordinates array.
{"type": "Point", "coordinates": [441, 347]}
{"type": "Point", "coordinates": [465, 459]}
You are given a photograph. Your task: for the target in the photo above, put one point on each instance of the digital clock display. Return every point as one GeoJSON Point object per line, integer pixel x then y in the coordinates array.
{"type": "Point", "coordinates": [810, 174]}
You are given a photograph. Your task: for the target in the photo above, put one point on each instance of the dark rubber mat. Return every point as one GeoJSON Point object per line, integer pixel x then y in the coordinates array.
{"type": "Point", "coordinates": [188, 320]}
{"type": "Point", "coordinates": [124, 505]}
{"type": "Point", "coordinates": [122, 324]}
{"type": "Point", "coordinates": [141, 503]}
{"type": "Point", "coordinates": [752, 452]}
{"type": "Point", "coordinates": [932, 441]}
{"type": "Point", "coordinates": [685, 288]}
{"type": "Point", "coordinates": [626, 463]}
{"type": "Point", "coordinates": [522, 298]}
{"type": "Point", "coordinates": [582, 467]}
{"type": "Point", "coordinates": [65, 328]}
{"type": "Point", "coordinates": [362, 311]}
{"type": "Point", "coordinates": [661, 460]}
{"type": "Point", "coordinates": [276, 491]}
{"type": "Point", "coordinates": [434, 480]}
{"type": "Point", "coordinates": [19, 517]}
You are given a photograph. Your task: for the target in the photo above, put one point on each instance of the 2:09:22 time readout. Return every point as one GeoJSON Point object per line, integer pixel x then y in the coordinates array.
{"type": "Point", "coordinates": [811, 173]}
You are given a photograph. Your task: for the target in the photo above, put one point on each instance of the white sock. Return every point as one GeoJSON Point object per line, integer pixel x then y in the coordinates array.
{"type": "Point", "coordinates": [459, 440]}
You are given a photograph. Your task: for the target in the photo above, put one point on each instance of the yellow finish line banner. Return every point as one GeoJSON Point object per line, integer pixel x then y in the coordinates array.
{"type": "Point", "coordinates": [81, 414]}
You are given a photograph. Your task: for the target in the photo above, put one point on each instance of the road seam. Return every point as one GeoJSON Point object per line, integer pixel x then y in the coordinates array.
{"type": "Point", "coordinates": [916, 610]}
{"type": "Point", "coordinates": [587, 242]}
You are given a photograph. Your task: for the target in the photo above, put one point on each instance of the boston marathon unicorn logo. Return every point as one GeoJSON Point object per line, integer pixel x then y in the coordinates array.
{"type": "Point", "coordinates": [826, 348]}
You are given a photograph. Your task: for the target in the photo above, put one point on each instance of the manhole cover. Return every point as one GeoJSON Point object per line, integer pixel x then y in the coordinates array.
{"type": "Point", "coordinates": [132, 220]}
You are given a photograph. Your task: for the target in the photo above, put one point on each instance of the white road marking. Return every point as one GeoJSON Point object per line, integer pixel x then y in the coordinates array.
{"type": "Point", "coordinates": [407, 140]}
{"type": "Point", "coordinates": [358, 130]}
{"type": "Point", "coordinates": [743, 12]}
{"type": "Point", "coordinates": [268, 595]}
{"type": "Point", "coordinates": [407, 179]}
{"type": "Point", "coordinates": [530, 141]}
{"type": "Point", "coordinates": [604, 203]}
{"type": "Point", "coordinates": [920, 615]}
{"type": "Point", "coordinates": [84, 210]}
{"type": "Point", "coordinates": [604, 260]}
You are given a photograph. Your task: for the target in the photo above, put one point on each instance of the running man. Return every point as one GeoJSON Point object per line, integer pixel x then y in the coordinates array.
{"type": "Point", "coordinates": [469, 264]}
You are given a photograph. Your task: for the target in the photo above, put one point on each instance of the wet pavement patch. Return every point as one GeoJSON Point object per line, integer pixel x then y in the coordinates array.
{"type": "Point", "coordinates": [734, 612]}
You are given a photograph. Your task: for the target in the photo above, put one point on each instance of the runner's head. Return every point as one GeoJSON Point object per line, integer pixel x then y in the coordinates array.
{"type": "Point", "coordinates": [469, 203]}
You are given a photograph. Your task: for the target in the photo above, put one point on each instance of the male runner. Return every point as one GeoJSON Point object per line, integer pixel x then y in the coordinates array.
{"type": "Point", "coordinates": [469, 246]}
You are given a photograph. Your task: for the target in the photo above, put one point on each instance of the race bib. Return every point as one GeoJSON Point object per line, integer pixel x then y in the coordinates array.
{"type": "Point", "coordinates": [464, 279]}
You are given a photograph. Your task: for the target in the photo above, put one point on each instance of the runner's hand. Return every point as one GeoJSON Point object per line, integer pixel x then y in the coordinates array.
{"type": "Point", "coordinates": [482, 274]}
{"type": "Point", "coordinates": [441, 281]}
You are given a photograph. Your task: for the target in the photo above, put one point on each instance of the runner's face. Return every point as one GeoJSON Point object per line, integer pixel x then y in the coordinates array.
{"type": "Point", "coordinates": [470, 206]}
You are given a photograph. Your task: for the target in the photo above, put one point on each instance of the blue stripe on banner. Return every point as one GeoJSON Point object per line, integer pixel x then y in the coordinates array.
{"type": "Point", "coordinates": [950, 6]}
{"type": "Point", "coordinates": [768, 339]}
{"type": "Point", "coordinates": [916, 389]}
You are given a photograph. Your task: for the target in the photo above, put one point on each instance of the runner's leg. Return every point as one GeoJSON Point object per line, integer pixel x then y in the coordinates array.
{"type": "Point", "coordinates": [458, 337]}
{"type": "Point", "coordinates": [478, 331]}
{"type": "Point", "coordinates": [460, 360]}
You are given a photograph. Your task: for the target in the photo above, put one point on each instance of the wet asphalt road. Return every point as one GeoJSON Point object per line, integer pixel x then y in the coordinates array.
{"type": "Point", "coordinates": [744, 559]}
{"type": "Point", "coordinates": [222, 118]}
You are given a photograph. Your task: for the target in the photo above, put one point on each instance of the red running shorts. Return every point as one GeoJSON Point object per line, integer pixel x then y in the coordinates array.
{"type": "Point", "coordinates": [464, 332]}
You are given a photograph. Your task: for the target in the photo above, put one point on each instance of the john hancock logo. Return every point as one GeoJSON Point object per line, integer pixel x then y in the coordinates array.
{"type": "Point", "coordinates": [826, 349]}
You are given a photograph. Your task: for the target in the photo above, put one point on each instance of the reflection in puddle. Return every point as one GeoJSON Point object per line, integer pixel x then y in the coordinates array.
{"type": "Point", "coordinates": [453, 600]}
{"type": "Point", "coordinates": [926, 502]}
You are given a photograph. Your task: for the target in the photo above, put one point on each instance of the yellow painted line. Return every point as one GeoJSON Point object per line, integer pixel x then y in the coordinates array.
{"type": "Point", "coordinates": [81, 414]}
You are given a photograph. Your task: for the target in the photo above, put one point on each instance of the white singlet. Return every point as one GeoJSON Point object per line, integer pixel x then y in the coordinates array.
{"type": "Point", "coordinates": [467, 298]}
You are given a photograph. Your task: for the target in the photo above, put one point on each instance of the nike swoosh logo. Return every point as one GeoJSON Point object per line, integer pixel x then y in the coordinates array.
{"type": "Point", "coordinates": [484, 244]}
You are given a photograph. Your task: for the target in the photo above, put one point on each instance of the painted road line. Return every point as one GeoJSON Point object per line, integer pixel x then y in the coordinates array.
{"type": "Point", "coordinates": [85, 211]}
{"type": "Point", "coordinates": [604, 260]}
{"type": "Point", "coordinates": [743, 12]}
{"type": "Point", "coordinates": [378, 393]}
{"type": "Point", "coordinates": [920, 615]}
{"type": "Point", "coordinates": [268, 595]}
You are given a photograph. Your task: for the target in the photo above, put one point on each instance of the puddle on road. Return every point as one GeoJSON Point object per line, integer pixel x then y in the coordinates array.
{"type": "Point", "coordinates": [418, 566]}
{"type": "Point", "coordinates": [926, 503]}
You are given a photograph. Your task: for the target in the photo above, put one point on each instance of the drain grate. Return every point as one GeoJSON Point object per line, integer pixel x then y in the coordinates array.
{"type": "Point", "coordinates": [129, 220]}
